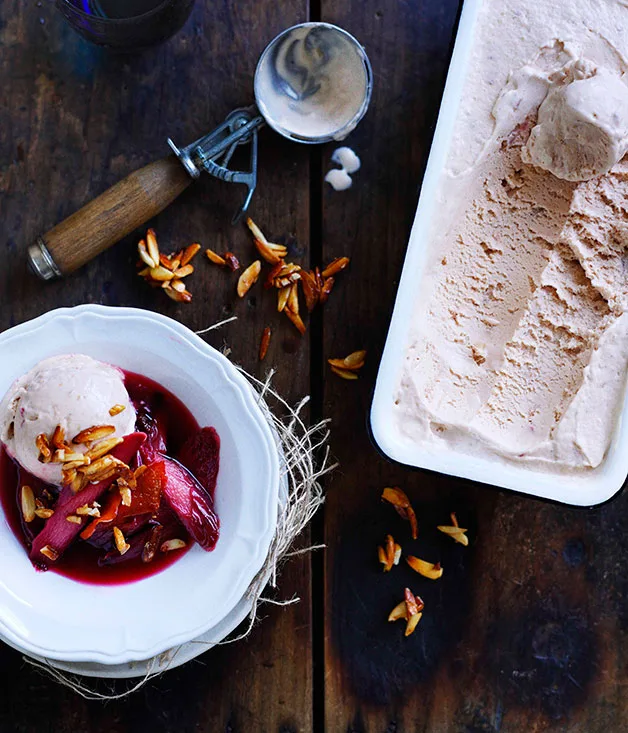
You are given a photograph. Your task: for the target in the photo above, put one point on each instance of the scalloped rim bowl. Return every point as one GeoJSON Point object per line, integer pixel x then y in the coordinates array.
{"type": "Point", "coordinates": [48, 615]}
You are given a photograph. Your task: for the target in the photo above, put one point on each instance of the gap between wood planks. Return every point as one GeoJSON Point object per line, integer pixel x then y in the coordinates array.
{"type": "Point", "coordinates": [317, 362]}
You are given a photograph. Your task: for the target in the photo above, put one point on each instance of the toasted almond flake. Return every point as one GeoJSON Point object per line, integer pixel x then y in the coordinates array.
{"type": "Point", "coordinates": [293, 298]}
{"type": "Point", "coordinates": [184, 271]}
{"type": "Point", "coordinates": [310, 290]}
{"type": "Point", "coordinates": [233, 263]}
{"type": "Point", "coordinates": [433, 571]}
{"type": "Point", "coordinates": [45, 454]}
{"type": "Point", "coordinates": [170, 545]}
{"type": "Point", "coordinates": [151, 245]}
{"type": "Point", "coordinates": [89, 511]}
{"type": "Point", "coordinates": [296, 320]}
{"type": "Point", "coordinates": [116, 410]}
{"type": "Point", "coordinates": [44, 513]}
{"type": "Point", "coordinates": [96, 432]}
{"type": "Point", "coordinates": [104, 463]}
{"type": "Point", "coordinates": [73, 519]}
{"type": "Point", "coordinates": [166, 262]}
{"type": "Point", "coordinates": [325, 290]}
{"type": "Point", "coordinates": [215, 258]}
{"type": "Point", "coordinates": [264, 343]}
{"type": "Point", "coordinates": [160, 274]}
{"type": "Point", "coordinates": [58, 438]}
{"type": "Point", "coordinates": [78, 483]}
{"type": "Point", "coordinates": [144, 256]}
{"type": "Point", "coordinates": [122, 545]}
{"type": "Point", "coordinates": [50, 553]}
{"type": "Point", "coordinates": [458, 534]}
{"type": "Point", "coordinates": [27, 501]}
{"type": "Point", "coordinates": [355, 360]}
{"type": "Point", "coordinates": [282, 298]}
{"type": "Point", "coordinates": [344, 373]}
{"type": "Point", "coordinates": [189, 253]}
{"type": "Point", "coordinates": [102, 447]}
{"type": "Point", "coordinates": [139, 470]}
{"type": "Point", "coordinates": [412, 623]}
{"type": "Point", "coordinates": [334, 267]}
{"type": "Point", "coordinates": [398, 498]}
{"type": "Point", "coordinates": [127, 497]}
{"type": "Point", "coordinates": [398, 612]}
{"type": "Point", "coordinates": [248, 278]}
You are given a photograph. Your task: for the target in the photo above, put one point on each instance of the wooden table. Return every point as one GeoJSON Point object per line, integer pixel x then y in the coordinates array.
{"type": "Point", "coordinates": [528, 628]}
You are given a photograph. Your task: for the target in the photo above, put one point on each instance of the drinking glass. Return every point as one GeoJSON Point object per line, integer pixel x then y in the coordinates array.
{"type": "Point", "coordinates": [126, 24]}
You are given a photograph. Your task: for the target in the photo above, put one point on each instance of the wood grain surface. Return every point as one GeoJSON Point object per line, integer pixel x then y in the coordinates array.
{"type": "Point", "coordinates": [526, 630]}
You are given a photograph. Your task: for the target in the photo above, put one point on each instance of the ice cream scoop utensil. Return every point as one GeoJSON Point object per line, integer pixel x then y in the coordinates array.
{"type": "Point", "coordinates": [312, 84]}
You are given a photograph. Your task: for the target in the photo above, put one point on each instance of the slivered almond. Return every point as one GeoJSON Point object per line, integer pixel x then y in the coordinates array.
{"type": "Point", "coordinates": [248, 278]}
{"type": "Point", "coordinates": [50, 553]}
{"type": "Point", "coordinates": [177, 285]}
{"type": "Point", "coordinates": [175, 263]}
{"type": "Point", "coordinates": [58, 438]}
{"type": "Point", "coordinates": [116, 410]}
{"type": "Point", "coordinates": [27, 501]}
{"type": "Point", "coordinates": [264, 343]}
{"type": "Point", "coordinates": [266, 252]}
{"type": "Point", "coordinates": [398, 612]}
{"type": "Point", "coordinates": [78, 483]}
{"type": "Point", "coordinates": [127, 497]}
{"type": "Point", "coordinates": [279, 249]}
{"type": "Point", "coordinates": [144, 256]}
{"type": "Point", "coordinates": [102, 448]}
{"type": "Point", "coordinates": [184, 271]}
{"type": "Point", "coordinates": [296, 320]}
{"type": "Point", "coordinates": [139, 470]}
{"type": "Point", "coordinates": [101, 465]}
{"type": "Point", "coordinates": [256, 231]}
{"type": "Point", "coordinates": [344, 373]}
{"type": "Point", "coordinates": [189, 253]}
{"type": "Point", "coordinates": [398, 498]}
{"type": "Point", "coordinates": [310, 290]}
{"type": "Point", "coordinates": [159, 274]}
{"type": "Point", "coordinates": [183, 296]}
{"type": "Point", "coordinates": [89, 511]}
{"type": "Point", "coordinates": [433, 571]}
{"type": "Point", "coordinates": [44, 513]}
{"type": "Point", "coordinates": [58, 456]}
{"type": "Point", "coordinates": [73, 465]}
{"type": "Point", "coordinates": [293, 298]}
{"type": "Point", "coordinates": [325, 290]}
{"type": "Point", "coordinates": [355, 360]}
{"type": "Point", "coordinates": [145, 272]}
{"type": "Point", "coordinates": [71, 456]}
{"type": "Point", "coordinates": [412, 623]}
{"type": "Point", "coordinates": [151, 245]}
{"type": "Point", "coordinates": [122, 546]}
{"type": "Point", "coordinates": [45, 454]}
{"type": "Point", "coordinates": [96, 432]}
{"type": "Point", "coordinates": [336, 266]}
{"type": "Point", "coordinates": [170, 545]}
{"type": "Point", "coordinates": [166, 262]}
{"type": "Point", "coordinates": [73, 519]}
{"type": "Point", "coordinates": [282, 297]}
{"type": "Point", "coordinates": [215, 258]}
{"type": "Point", "coordinates": [233, 263]}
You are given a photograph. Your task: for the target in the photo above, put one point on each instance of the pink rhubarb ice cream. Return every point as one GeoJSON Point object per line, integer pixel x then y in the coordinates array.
{"type": "Point", "coordinates": [518, 347]}
{"type": "Point", "coordinates": [73, 391]}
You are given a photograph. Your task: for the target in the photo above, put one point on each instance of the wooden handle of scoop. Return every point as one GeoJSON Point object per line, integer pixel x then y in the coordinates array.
{"type": "Point", "coordinates": [114, 214]}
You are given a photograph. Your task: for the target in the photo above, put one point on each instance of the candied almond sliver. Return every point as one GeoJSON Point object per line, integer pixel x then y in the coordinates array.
{"type": "Point", "coordinates": [433, 571]}
{"type": "Point", "coordinates": [233, 263]}
{"type": "Point", "coordinates": [151, 245]}
{"type": "Point", "coordinates": [296, 320]}
{"type": "Point", "coordinates": [334, 267]}
{"type": "Point", "coordinates": [121, 544]}
{"type": "Point", "coordinates": [398, 612]}
{"type": "Point", "coordinates": [27, 500]}
{"type": "Point", "coordinates": [184, 271]}
{"type": "Point", "coordinates": [248, 278]}
{"type": "Point", "coordinates": [344, 373]}
{"type": "Point", "coordinates": [116, 410]}
{"type": "Point", "coordinates": [355, 360]}
{"type": "Point", "coordinates": [144, 256]}
{"type": "Point", "coordinates": [170, 545]}
{"type": "Point", "coordinates": [58, 438]}
{"type": "Point", "coordinates": [189, 253]}
{"type": "Point", "coordinates": [264, 343]}
{"type": "Point", "coordinates": [96, 432]}
{"type": "Point", "coordinates": [293, 298]}
{"type": "Point", "coordinates": [412, 623]}
{"type": "Point", "coordinates": [215, 258]}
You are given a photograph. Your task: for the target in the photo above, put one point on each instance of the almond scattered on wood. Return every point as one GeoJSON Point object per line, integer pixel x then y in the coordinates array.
{"type": "Point", "coordinates": [264, 343]}
{"type": "Point", "coordinates": [433, 571]}
{"type": "Point", "coordinates": [166, 271]}
{"type": "Point", "coordinates": [410, 609]}
{"type": "Point", "coordinates": [398, 498]}
{"type": "Point", "coordinates": [389, 553]}
{"type": "Point", "coordinates": [248, 278]}
{"type": "Point", "coordinates": [215, 258]}
{"type": "Point", "coordinates": [347, 367]}
{"type": "Point", "coordinates": [457, 533]}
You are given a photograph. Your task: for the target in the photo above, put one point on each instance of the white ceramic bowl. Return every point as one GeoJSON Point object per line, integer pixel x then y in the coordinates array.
{"type": "Point", "coordinates": [47, 615]}
{"type": "Point", "coordinates": [581, 489]}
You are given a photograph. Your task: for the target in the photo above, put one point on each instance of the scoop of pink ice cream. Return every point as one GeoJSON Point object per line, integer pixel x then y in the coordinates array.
{"type": "Point", "coordinates": [73, 391]}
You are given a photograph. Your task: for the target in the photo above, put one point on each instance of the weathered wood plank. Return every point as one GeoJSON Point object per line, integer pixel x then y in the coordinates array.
{"type": "Point", "coordinates": [74, 120]}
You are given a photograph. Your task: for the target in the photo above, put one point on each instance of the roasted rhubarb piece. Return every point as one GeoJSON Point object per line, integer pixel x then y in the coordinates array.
{"type": "Point", "coordinates": [200, 454]}
{"type": "Point", "coordinates": [58, 533]}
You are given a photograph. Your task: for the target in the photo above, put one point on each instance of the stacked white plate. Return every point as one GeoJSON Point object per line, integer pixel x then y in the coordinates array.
{"type": "Point", "coordinates": [167, 619]}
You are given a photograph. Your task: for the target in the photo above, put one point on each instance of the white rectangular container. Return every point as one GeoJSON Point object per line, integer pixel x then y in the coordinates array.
{"type": "Point", "coordinates": [585, 488]}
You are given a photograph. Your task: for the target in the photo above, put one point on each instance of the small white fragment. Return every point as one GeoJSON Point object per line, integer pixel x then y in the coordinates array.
{"type": "Point", "coordinates": [347, 159]}
{"type": "Point", "coordinates": [339, 179]}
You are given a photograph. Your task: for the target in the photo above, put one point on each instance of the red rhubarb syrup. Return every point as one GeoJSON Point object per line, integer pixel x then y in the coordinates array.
{"type": "Point", "coordinates": [80, 561]}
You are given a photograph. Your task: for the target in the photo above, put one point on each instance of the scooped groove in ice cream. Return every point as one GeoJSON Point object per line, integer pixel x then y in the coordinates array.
{"type": "Point", "coordinates": [582, 128]}
{"type": "Point", "coordinates": [518, 346]}
{"type": "Point", "coordinates": [73, 391]}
